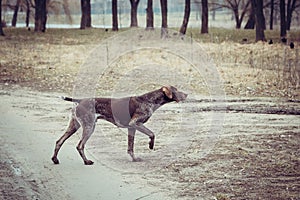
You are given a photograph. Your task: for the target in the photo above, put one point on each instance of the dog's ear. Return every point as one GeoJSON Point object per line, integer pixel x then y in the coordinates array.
{"type": "Point", "coordinates": [167, 91]}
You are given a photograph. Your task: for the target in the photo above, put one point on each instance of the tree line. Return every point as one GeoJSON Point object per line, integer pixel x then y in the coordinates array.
{"type": "Point", "coordinates": [240, 8]}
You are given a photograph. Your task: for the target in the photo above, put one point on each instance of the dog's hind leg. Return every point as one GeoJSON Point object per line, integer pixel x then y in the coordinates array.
{"type": "Point", "coordinates": [86, 134]}
{"type": "Point", "coordinates": [73, 127]}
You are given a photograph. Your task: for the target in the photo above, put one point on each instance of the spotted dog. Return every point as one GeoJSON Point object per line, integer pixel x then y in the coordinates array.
{"type": "Point", "coordinates": [129, 112]}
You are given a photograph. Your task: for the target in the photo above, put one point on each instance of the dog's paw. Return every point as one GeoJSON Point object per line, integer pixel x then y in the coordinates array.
{"type": "Point", "coordinates": [88, 162]}
{"type": "Point", "coordinates": [55, 160]}
{"type": "Point", "coordinates": [151, 143]}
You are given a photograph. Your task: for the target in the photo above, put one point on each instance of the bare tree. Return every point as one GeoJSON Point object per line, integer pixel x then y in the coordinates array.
{"type": "Point", "coordinates": [28, 6]}
{"type": "Point", "coordinates": [51, 6]}
{"type": "Point", "coordinates": [257, 6]}
{"type": "Point", "coordinates": [187, 11]}
{"type": "Point", "coordinates": [164, 16]}
{"type": "Point", "coordinates": [271, 14]}
{"type": "Point", "coordinates": [83, 14]}
{"type": "Point", "coordinates": [286, 12]}
{"type": "Point", "coordinates": [40, 15]}
{"type": "Point", "coordinates": [86, 20]}
{"type": "Point", "coordinates": [251, 20]}
{"type": "Point", "coordinates": [1, 29]}
{"type": "Point", "coordinates": [114, 15]}
{"type": "Point", "coordinates": [236, 6]}
{"type": "Point", "coordinates": [291, 6]}
{"type": "Point", "coordinates": [89, 17]}
{"type": "Point", "coordinates": [282, 19]}
{"type": "Point", "coordinates": [150, 20]}
{"type": "Point", "coordinates": [15, 15]}
{"type": "Point", "coordinates": [204, 17]}
{"type": "Point", "coordinates": [134, 6]}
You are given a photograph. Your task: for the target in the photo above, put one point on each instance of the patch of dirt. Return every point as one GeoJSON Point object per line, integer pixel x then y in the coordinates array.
{"type": "Point", "coordinates": [12, 184]}
{"type": "Point", "coordinates": [255, 154]}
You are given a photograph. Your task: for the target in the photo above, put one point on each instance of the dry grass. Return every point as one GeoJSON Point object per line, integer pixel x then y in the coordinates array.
{"type": "Point", "coordinates": [258, 69]}
{"type": "Point", "coordinates": [50, 61]}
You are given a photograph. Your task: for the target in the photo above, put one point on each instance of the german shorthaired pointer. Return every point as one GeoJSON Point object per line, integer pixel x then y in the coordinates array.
{"type": "Point", "coordinates": [129, 112]}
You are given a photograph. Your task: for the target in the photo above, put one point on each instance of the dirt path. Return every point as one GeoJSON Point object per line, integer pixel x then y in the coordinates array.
{"type": "Point", "coordinates": [255, 155]}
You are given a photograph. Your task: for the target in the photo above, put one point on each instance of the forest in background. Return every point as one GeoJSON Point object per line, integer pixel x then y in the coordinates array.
{"type": "Point", "coordinates": [115, 14]}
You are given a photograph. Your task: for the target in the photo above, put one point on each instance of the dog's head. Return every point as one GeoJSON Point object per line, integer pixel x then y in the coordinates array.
{"type": "Point", "coordinates": [173, 94]}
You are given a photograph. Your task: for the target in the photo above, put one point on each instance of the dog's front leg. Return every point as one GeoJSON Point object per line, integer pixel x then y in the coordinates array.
{"type": "Point", "coordinates": [140, 127]}
{"type": "Point", "coordinates": [131, 134]}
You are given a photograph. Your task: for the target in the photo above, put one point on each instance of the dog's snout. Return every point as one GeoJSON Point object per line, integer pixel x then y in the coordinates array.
{"type": "Point", "coordinates": [181, 96]}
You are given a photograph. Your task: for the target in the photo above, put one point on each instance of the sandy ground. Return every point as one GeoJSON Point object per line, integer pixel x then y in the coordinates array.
{"type": "Point", "coordinates": [256, 154]}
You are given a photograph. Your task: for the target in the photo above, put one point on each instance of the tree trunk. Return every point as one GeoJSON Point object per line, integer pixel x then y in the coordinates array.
{"type": "Point", "coordinates": [27, 13]}
{"type": "Point", "coordinates": [235, 7]}
{"type": "Point", "coordinates": [290, 8]}
{"type": "Point", "coordinates": [259, 20]}
{"type": "Point", "coordinates": [149, 25]}
{"type": "Point", "coordinates": [251, 21]}
{"type": "Point", "coordinates": [40, 16]}
{"type": "Point", "coordinates": [236, 17]}
{"type": "Point", "coordinates": [84, 8]}
{"type": "Point", "coordinates": [115, 15]}
{"type": "Point", "coordinates": [204, 18]}
{"type": "Point", "coordinates": [134, 6]}
{"type": "Point", "coordinates": [282, 19]}
{"type": "Point", "coordinates": [164, 15]}
{"type": "Point", "coordinates": [88, 15]}
{"type": "Point", "coordinates": [1, 29]}
{"type": "Point", "coordinates": [86, 19]}
{"type": "Point", "coordinates": [271, 14]}
{"type": "Point", "coordinates": [187, 11]}
{"type": "Point", "coordinates": [15, 15]}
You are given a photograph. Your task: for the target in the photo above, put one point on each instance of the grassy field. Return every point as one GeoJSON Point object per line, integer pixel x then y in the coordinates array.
{"type": "Point", "coordinates": [50, 61]}
{"type": "Point", "coordinates": [92, 36]}
{"type": "Point", "coordinates": [219, 35]}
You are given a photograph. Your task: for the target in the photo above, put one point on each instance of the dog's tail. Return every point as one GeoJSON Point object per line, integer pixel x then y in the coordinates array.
{"type": "Point", "coordinates": [70, 99]}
